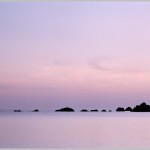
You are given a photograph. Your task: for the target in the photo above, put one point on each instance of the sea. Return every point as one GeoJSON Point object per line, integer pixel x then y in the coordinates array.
{"type": "Point", "coordinates": [59, 130]}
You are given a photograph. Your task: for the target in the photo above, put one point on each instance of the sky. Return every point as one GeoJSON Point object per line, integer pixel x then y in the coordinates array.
{"type": "Point", "coordinates": [76, 54]}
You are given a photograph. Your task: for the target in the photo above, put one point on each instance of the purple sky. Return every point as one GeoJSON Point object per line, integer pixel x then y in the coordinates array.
{"type": "Point", "coordinates": [77, 54]}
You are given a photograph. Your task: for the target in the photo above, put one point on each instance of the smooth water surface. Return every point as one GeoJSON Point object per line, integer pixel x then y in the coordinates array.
{"type": "Point", "coordinates": [74, 130]}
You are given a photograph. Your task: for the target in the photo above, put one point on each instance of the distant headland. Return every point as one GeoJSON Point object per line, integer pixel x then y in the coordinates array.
{"type": "Point", "coordinates": [143, 107]}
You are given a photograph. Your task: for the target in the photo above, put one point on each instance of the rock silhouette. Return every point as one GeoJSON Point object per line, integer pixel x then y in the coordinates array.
{"type": "Point", "coordinates": [66, 109]}
{"type": "Point", "coordinates": [128, 109]}
{"type": "Point", "coordinates": [84, 110]}
{"type": "Point", "coordinates": [120, 109]}
{"type": "Point", "coordinates": [103, 110]}
{"type": "Point", "coordinates": [36, 110]}
{"type": "Point", "coordinates": [143, 107]}
{"type": "Point", "coordinates": [109, 111]}
{"type": "Point", "coordinates": [94, 110]}
{"type": "Point", "coordinates": [17, 110]}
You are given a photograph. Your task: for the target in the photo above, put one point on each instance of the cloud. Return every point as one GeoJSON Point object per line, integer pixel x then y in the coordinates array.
{"type": "Point", "coordinates": [116, 66]}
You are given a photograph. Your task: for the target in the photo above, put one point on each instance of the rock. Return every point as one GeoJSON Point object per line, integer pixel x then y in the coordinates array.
{"type": "Point", "coordinates": [109, 111]}
{"type": "Point", "coordinates": [94, 110]}
{"type": "Point", "coordinates": [17, 110]}
{"type": "Point", "coordinates": [143, 107]}
{"type": "Point", "coordinates": [120, 109]}
{"type": "Point", "coordinates": [66, 109]}
{"type": "Point", "coordinates": [128, 109]}
{"type": "Point", "coordinates": [36, 110]}
{"type": "Point", "coordinates": [84, 110]}
{"type": "Point", "coordinates": [103, 110]}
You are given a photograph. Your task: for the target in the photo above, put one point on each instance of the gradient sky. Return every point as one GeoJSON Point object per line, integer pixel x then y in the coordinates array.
{"type": "Point", "coordinates": [77, 54]}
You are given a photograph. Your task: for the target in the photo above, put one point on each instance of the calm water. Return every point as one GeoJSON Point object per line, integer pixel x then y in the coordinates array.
{"type": "Point", "coordinates": [74, 130]}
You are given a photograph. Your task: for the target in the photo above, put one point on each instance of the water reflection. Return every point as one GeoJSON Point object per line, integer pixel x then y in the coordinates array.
{"type": "Point", "coordinates": [80, 130]}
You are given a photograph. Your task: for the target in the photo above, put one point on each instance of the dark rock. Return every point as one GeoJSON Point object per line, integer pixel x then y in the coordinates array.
{"type": "Point", "coordinates": [109, 111]}
{"type": "Point", "coordinates": [128, 109]}
{"type": "Point", "coordinates": [66, 109]}
{"type": "Point", "coordinates": [17, 110]}
{"type": "Point", "coordinates": [84, 110]}
{"type": "Point", "coordinates": [120, 109]}
{"type": "Point", "coordinates": [103, 110]}
{"type": "Point", "coordinates": [94, 110]}
{"type": "Point", "coordinates": [143, 107]}
{"type": "Point", "coordinates": [36, 110]}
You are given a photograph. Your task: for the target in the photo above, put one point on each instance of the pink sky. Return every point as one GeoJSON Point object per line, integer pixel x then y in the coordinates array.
{"type": "Point", "coordinates": [77, 54]}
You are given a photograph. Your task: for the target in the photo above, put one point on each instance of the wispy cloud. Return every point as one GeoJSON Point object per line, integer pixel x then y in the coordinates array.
{"type": "Point", "coordinates": [115, 66]}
